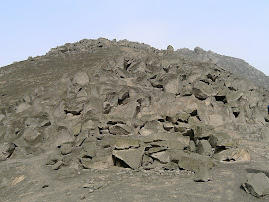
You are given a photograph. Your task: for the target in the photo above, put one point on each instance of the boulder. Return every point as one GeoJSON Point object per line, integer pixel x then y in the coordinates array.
{"type": "Point", "coordinates": [172, 84]}
{"type": "Point", "coordinates": [222, 139]}
{"type": "Point", "coordinates": [154, 124]}
{"type": "Point", "coordinates": [66, 149]}
{"type": "Point", "coordinates": [31, 135]}
{"type": "Point", "coordinates": [88, 125]}
{"type": "Point", "coordinates": [163, 156]}
{"type": "Point", "coordinates": [129, 110]}
{"type": "Point", "coordinates": [90, 148]}
{"type": "Point", "coordinates": [239, 154]}
{"type": "Point", "coordinates": [132, 157]}
{"type": "Point", "coordinates": [62, 136]}
{"type": "Point", "coordinates": [170, 49]}
{"type": "Point", "coordinates": [233, 96]}
{"type": "Point", "coordinates": [204, 148]}
{"type": "Point", "coordinates": [120, 129]}
{"type": "Point", "coordinates": [257, 184]}
{"type": "Point", "coordinates": [202, 90]}
{"type": "Point", "coordinates": [191, 161]}
{"type": "Point", "coordinates": [81, 78]}
{"type": "Point", "coordinates": [202, 175]}
{"type": "Point", "coordinates": [22, 106]}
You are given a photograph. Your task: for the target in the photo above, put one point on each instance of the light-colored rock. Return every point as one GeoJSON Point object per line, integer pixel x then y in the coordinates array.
{"type": "Point", "coordinates": [162, 156]}
{"type": "Point", "coordinates": [132, 157]}
{"type": "Point", "coordinates": [120, 129]}
{"type": "Point", "coordinates": [239, 154]}
{"type": "Point", "coordinates": [81, 78]}
{"type": "Point", "coordinates": [23, 106]}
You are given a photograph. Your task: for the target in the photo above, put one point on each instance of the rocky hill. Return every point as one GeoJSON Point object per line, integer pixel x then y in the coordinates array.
{"type": "Point", "coordinates": [236, 66]}
{"type": "Point", "coordinates": [104, 120]}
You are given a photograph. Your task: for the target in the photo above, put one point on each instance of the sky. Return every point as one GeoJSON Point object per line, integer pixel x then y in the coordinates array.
{"type": "Point", "coordinates": [237, 28]}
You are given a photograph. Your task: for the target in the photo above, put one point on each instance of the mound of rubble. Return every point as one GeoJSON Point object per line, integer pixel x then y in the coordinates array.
{"type": "Point", "coordinates": [236, 66]}
{"type": "Point", "coordinates": [129, 105]}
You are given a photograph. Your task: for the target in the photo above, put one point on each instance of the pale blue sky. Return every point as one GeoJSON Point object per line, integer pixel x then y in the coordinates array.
{"type": "Point", "coordinates": [238, 28]}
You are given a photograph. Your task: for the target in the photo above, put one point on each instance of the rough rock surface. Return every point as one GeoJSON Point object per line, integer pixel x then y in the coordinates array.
{"type": "Point", "coordinates": [100, 106]}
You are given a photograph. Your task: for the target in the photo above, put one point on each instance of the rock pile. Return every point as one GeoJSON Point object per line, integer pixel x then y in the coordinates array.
{"type": "Point", "coordinates": [236, 66]}
{"type": "Point", "coordinates": [147, 109]}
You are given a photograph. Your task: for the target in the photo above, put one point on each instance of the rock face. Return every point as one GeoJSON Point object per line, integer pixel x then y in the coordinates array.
{"type": "Point", "coordinates": [101, 103]}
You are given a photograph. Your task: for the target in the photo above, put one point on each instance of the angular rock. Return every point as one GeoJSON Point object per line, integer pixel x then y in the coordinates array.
{"type": "Point", "coordinates": [81, 78]}
{"type": "Point", "coordinates": [183, 117]}
{"type": "Point", "coordinates": [76, 129]}
{"type": "Point", "coordinates": [257, 184]}
{"type": "Point", "coordinates": [168, 126]}
{"type": "Point", "coordinates": [31, 135]}
{"type": "Point", "coordinates": [23, 106]}
{"type": "Point", "coordinates": [88, 125]}
{"type": "Point", "coordinates": [170, 49]}
{"type": "Point", "coordinates": [191, 161]}
{"type": "Point", "coordinates": [202, 175]}
{"type": "Point", "coordinates": [63, 136]}
{"type": "Point", "coordinates": [172, 84]}
{"type": "Point", "coordinates": [120, 129]}
{"type": "Point", "coordinates": [204, 148]}
{"type": "Point", "coordinates": [154, 124]}
{"type": "Point", "coordinates": [129, 110]}
{"type": "Point", "coordinates": [222, 139]}
{"type": "Point", "coordinates": [163, 156]}
{"type": "Point", "coordinates": [233, 96]}
{"type": "Point", "coordinates": [192, 146]}
{"type": "Point", "coordinates": [239, 154]}
{"type": "Point", "coordinates": [132, 157]}
{"type": "Point", "coordinates": [202, 90]}
{"type": "Point", "coordinates": [66, 149]}
{"type": "Point", "coordinates": [89, 148]}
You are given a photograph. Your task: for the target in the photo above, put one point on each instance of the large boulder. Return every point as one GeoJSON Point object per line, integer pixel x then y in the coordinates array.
{"type": "Point", "coordinates": [131, 157]}
{"type": "Point", "coordinates": [239, 154]}
{"type": "Point", "coordinates": [202, 90]}
{"type": "Point", "coordinates": [172, 84]}
{"type": "Point", "coordinates": [191, 161]}
{"type": "Point", "coordinates": [257, 184]}
{"type": "Point", "coordinates": [222, 139]}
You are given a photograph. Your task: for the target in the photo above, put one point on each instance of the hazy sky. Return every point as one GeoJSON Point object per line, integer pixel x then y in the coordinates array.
{"type": "Point", "coordinates": [238, 28]}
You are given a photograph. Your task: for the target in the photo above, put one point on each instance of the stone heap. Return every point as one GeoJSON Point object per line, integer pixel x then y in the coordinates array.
{"type": "Point", "coordinates": [142, 109]}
